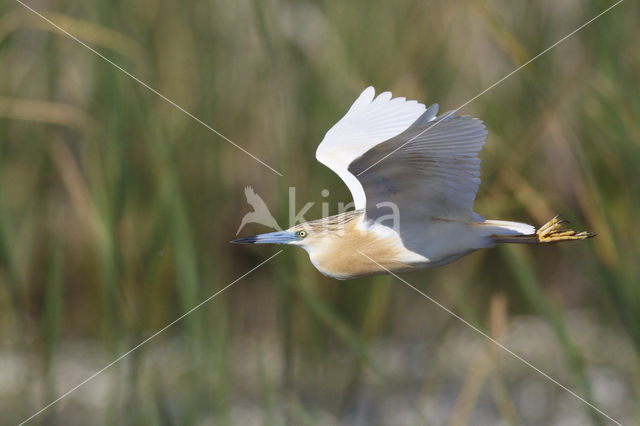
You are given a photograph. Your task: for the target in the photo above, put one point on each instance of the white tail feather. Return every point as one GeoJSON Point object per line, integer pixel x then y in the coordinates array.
{"type": "Point", "coordinates": [504, 227]}
{"type": "Point", "coordinates": [502, 231]}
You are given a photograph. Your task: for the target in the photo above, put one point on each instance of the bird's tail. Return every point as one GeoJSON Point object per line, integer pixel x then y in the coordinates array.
{"type": "Point", "coordinates": [521, 233]}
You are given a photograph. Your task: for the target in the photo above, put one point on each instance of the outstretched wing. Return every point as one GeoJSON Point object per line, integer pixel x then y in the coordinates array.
{"type": "Point", "coordinates": [431, 170]}
{"type": "Point", "coordinates": [368, 122]}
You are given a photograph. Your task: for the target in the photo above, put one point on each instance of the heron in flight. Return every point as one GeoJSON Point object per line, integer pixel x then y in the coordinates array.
{"type": "Point", "coordinates": [397, 156]}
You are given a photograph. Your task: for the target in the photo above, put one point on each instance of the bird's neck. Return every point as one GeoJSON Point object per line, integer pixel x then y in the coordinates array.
{"type": "Point", "coordinates": [356, 251]}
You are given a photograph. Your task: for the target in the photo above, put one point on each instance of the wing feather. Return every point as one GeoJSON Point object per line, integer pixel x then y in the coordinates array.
{"type": "Point", "coordinates": [429, 170]}
{"type": "Point", "coordinates": [370, 121]}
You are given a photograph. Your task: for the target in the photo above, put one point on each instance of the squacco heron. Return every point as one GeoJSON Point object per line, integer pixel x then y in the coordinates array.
{"type": "Point", "coordinates": [397, 156]}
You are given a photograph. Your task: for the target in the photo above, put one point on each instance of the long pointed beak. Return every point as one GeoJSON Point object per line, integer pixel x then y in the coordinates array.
{"type": "Point", "coordinates": [280, 237]}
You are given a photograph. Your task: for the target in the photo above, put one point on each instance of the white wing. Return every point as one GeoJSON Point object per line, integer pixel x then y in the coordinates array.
{"type": "Point", "coordinates": [368, 122]}
{"type": "Point", "coordinates": [431, 170]}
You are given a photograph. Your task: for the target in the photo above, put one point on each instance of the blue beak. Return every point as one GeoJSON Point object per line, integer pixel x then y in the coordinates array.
{"type": "Point", "coordinates": [280, 237]}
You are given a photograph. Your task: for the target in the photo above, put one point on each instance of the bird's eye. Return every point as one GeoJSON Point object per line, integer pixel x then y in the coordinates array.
{"type": "Point", "coordinates": [302, 234]}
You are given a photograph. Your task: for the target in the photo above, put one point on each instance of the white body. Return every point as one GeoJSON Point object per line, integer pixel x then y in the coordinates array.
{"type": "Point", "coordinates": [360, 248]}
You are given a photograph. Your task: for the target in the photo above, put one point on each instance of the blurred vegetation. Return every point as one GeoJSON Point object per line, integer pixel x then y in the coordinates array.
{"type": "Point", "coordinates": [116, 210]}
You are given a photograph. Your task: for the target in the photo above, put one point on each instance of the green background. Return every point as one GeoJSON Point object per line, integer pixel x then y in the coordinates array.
{"type": "Point", "coordinates": [116, 210]}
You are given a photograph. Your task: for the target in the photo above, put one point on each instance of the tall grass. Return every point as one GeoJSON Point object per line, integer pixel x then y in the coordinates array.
{"type": "Point", "coordinates": [116, 209]}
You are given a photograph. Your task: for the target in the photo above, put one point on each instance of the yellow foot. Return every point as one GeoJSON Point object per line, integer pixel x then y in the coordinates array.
{"type": "Point", "coordinates": [553, 232]}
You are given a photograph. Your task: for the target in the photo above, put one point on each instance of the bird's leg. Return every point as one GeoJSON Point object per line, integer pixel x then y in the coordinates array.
{"type": "Point", "coordinates": [553, 232]}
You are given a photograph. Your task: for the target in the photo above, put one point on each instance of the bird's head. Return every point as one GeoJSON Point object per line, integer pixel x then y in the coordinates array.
{"type": "Point", "coordinates": [315, 237]}
{"type": "Point", "coordinates": [299, 235]}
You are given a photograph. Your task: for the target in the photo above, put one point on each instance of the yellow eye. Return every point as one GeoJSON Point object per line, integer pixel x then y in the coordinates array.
{"type": "Point", "coordinates": [302, 234]}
